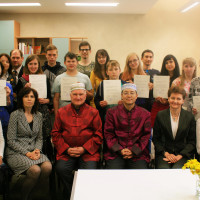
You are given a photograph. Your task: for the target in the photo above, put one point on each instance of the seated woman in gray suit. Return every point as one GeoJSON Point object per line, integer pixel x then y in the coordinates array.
{"type": "Point", "coordinates": [24, 142]}
{"type": "Point", "coordinates": [174, 132]}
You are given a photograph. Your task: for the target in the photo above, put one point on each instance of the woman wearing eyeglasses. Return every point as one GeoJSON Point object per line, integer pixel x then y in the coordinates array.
{"type": "Point", "coordinates": [99, 73]}
{"type": "Point", "coordinates": [133, 67]}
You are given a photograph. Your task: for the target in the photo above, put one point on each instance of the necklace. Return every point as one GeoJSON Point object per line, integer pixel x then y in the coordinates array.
{"type": "Point", "coordinates": [175, 117]}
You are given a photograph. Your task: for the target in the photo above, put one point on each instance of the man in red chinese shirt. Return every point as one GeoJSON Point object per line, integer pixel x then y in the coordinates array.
{"type": "Point", "coordinates": [77, 137]}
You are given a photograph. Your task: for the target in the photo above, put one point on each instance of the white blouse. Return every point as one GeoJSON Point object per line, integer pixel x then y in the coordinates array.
{"type": "Point", "coordinates": [174, 125]}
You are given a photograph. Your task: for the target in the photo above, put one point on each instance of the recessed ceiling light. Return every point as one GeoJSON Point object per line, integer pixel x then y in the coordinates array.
{"type": "Point", "coordinates": [190, 7]}
{"type": "Point", "coordinates": [92, 4]}
{"type": "Point", "coordinates": [20, 4]}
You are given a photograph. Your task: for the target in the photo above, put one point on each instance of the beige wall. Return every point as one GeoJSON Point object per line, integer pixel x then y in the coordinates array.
{"type": "Point", "coordinates": [162, 31]}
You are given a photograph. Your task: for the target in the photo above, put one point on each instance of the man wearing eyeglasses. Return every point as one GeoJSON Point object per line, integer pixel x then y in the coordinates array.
{"type": "Point", "coordinates": [85, 65]}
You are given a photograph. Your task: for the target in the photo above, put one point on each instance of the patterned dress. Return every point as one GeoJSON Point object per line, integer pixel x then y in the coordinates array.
{"type": "Point", "coordinates": [21, 140]}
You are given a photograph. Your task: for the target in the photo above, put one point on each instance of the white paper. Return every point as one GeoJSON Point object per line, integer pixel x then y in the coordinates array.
{"type": "Point", "coordinates": [39, 83]}
{"type": "Point", "coordinates": [196, 104]}
{"type": "Point", "coordinates": [142, 84]}
{"type": "Point", "coordinates": [160, 86]}
{"type": "Point", "coordinates": [3, 93]}
{"type": "Point", "coordinates": [112, 91]}
{"type": "Point", "coordinates": [66, 83]}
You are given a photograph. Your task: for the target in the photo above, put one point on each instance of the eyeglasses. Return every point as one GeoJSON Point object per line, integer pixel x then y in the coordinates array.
{"type": "Point", "coordinates": [84, 49]}
{"type": "Point", "coordinates": [135, 60]}
{"type": "Point", "coordinates": [101, 57]}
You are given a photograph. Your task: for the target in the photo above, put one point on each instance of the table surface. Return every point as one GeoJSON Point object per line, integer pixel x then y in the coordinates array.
{"type": "Point", "coordinates": [173, 184]}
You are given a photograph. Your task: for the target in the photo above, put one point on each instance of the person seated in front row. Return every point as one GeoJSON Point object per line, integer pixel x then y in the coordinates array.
{"type": "Point", "coordinates": [174, 132]}
{"type": "Point", "coordinates": [24, 144]}
{"type": "Point", "coordinates": [113, 71]}
{"type": "Point", "coordinates": [77, 137]}
{"type": "Point", "coordinates": [127, 131]}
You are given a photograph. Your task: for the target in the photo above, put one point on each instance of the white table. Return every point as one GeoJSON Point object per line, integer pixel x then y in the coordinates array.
{"type": "Point", "coordinates": [148, 184]}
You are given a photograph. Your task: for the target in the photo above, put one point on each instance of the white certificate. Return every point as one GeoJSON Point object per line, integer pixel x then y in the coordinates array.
{"type": "Point", "coordinates": [39, 83]}
{"type": "Point", "coordinates": [2, 93]}
{"type": "Point", "coordinates": [112, 91]}
{"type": "Point", "coordinates": [160, 86]}
{"type": "Point", "coordinates": [142, 84]}
{"type": "Point", "coordinates": [66, 83]}
{"type": "Point", "coordinates": [196, 104]}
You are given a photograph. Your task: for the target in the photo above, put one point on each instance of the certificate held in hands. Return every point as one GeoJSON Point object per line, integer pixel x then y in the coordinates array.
{"type": "Point", "coordinates": [142, 84]}
{"type": "Point", "coordinates": [66, 83]}
{"type": "Point", "coordinates": [112, 91]}
{"type": "Point", "coordinates": [39, 83]}
{"type": "Point", "coordinates": [3, 93]}
{"type": "Point", "coordinates": [160, 86]}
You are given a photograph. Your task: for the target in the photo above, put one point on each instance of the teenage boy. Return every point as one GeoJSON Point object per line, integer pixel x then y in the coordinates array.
{"type": "Point", "coordinates": [85, 65]}
{"type": "Point", "coordinates": [113, 71]}
{"type": "Point", "coordinates": [52, 67]}
{"type": "Point", "coordinates": [71, 63]}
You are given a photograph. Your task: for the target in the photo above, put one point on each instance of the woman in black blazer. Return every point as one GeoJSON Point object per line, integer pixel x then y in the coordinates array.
{"type": "Point", "coordinates": [174, 132]}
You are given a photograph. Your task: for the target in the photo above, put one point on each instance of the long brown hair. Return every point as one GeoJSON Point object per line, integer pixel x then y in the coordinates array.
{"type": "Point", "coordinates": [28, 60]}
{"type": "Point", "coordinates": [127, 74]}
{"type": "Point", "coordinates": [97, 67]}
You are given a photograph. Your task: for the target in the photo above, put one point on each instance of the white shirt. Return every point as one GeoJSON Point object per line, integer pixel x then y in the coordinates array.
{"type": "Point", "coordinates": [174, 125]}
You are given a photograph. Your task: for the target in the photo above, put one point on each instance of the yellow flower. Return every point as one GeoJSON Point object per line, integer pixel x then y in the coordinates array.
{"type": "Point", "coordinates": [193, 165]}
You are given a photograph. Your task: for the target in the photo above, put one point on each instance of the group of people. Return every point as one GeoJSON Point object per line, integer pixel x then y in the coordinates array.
{"type": "Point", "coordinates": [85, 128]}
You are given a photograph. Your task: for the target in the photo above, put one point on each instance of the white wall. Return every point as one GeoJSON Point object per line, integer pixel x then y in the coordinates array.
{"type": "Point", "coordinates": [160, 30]}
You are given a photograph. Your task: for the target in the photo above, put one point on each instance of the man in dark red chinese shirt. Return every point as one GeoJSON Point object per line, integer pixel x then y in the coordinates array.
{"type": "Point", "coordinates": [77, 136]}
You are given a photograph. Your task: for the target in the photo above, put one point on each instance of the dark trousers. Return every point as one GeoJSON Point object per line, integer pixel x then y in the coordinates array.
{"type": "Point", "coordinates": [120, 163]}
{"type": "Point", "coordinates": [161, 164]}
{"type": "Point", "coordinates": [64, 170]}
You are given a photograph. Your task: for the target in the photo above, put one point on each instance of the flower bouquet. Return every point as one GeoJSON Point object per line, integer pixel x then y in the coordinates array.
{"type": "Point", "coordinates": [194, 167]}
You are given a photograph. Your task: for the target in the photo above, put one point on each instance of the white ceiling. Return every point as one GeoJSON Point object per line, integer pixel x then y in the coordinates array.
{"type": "Point", "coordinates": [58, 6]}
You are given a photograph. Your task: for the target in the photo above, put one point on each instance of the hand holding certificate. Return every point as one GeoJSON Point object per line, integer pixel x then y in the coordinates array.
{"type": "Point", "coordinates": [161, 86]}
{"type": "Point", "coordinates": [112, 91]}
{"type": "Point", "coordinates": [141, 82]}
{"type": "Point", "coordinates": [196, 105]}
{"type": "Point", "coordinates": [3, 93]}
{"type": "Point", "coordinates": [39, 83]}
{"type": "Point", "coordinates": [66, 83]}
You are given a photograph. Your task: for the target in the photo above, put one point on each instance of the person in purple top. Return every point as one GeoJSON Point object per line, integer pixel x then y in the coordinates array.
{"type": "Point", "coordinates": [127, 131]}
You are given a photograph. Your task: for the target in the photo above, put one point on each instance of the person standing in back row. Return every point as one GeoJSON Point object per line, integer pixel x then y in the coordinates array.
{"type": "Point", "coordinates": [85, 65]}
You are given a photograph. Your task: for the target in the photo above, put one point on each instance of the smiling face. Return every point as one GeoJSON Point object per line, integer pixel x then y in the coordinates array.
{"type": "Point", "coordinates": [33, 66]}
{"type": "Point", "coordinates": [4, 60]}
{"type": "Point", "coordinates": [176, 100]}
{"type": "Point", "coordinates": [170, 65]}
{"type": "Point", "coordinates": [129, 97]}
{"type": "Point", "coordinates": [78, 97]}
{"type": "Point", "coordinates": [133, 62]}
{"type": "Point", "coordinates": [28, 100]}
{"type": "Point", "coordinates": [101, 59]}
{"type": "Point", "coordinates": [84, 51]}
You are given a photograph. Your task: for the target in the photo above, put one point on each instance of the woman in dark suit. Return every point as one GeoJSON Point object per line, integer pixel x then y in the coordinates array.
{"type": "Point", "coordinates": [23, 152]}
{"type": "Point", "coordinates": [174, 132]}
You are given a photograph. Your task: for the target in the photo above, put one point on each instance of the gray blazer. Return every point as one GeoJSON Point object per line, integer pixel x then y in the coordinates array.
{"type": "Point", "coordinates": [21, 140]}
